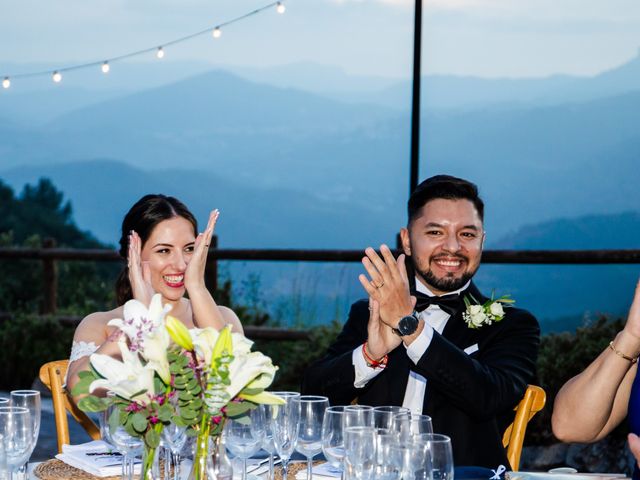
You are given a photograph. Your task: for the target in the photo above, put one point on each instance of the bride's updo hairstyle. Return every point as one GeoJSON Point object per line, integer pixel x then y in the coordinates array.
{"type": "Point", "coordinates": [143, 217]}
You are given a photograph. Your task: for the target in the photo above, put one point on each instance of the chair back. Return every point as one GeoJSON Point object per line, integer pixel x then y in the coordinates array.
{"type": "Point", "coordinates": [52, 374]}
{"type": "Point", "coordinates": [532, 402]}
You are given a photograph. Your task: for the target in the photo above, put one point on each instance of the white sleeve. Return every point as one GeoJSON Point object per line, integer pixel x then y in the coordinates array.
{"type": "Point", "coordinates": [416, 350]}
{"type": "Point", "coordinates": [364, 373]}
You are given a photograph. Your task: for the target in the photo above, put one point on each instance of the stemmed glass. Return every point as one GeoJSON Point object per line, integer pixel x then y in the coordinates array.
{"type": "Point", "coordinates": [29, 399]}
{"type": "Point", "coordinates": [358, 416]}
{"type": "Point", "coordinates": [312, 410]}
{"type": "Point", "coordinates": [410, 424]}
{"type": "Point", "coordinates": [441, 455]}
{"type": "Point", "coordinates": [333, 436]}
{"type": "Point", "coordinates": [285, 427]}
{"type": "Point", "coordinates": [245, 439]}
{"type": "Point", "coordinates": [360, 452]}
{"type": "Point", "coordinates": [174, 438]}
{"type": "Point", "coordinates": [127, 445]}
{"type": "Point", "coordinates": [269, 411]}
{"type": "Point", "coordinates": [383, 416]}
{"type": "Point", "coordinates": [16, 427]}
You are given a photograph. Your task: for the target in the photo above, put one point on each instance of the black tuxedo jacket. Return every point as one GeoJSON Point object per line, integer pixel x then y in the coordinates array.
{"type": "Point", "coordinates": [470, 397]}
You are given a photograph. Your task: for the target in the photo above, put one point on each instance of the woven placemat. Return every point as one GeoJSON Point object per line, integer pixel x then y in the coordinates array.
{"type": "Point", "coordinates": [294, 467]}
{"type": "Point", "coordinates": [55, 469]}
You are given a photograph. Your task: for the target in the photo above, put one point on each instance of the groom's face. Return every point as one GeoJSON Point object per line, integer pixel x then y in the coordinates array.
{"type": "Point", "coordinates": [445, 243]}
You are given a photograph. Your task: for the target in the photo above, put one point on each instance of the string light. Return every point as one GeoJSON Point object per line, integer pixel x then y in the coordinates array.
{"type": "Point", "coordinates": [105, 64]}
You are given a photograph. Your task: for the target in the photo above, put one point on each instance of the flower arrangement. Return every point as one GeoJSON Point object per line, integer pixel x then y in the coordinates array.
{"type": "Point", "coordinates": [168, 374]}
{"type": "Point", "coordinates": [476, 314]}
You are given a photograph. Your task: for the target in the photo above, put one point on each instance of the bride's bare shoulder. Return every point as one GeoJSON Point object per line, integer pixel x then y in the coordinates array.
{"type": "Point", "coordinates": [95, 324]}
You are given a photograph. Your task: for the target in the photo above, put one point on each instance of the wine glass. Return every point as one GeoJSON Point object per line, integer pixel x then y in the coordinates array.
{"type": "Point", "coordinates": [383, 416]}
{"type": "Point", "coordinates": [29, 399]}
{"type": "Point", "coordinates": [333, 436]}
{"type": "Point", "coordinates": [385, 469]}
{"type": "Point", "coordinates": [127, 445]}
{"type": "Point", "coordinates": [409, 424]}
{"type": "Point", "coordinates": [269, 412]}
{"type": "Point", "coordinates": [312, 410]}
{"type": "Point", "coordinates": [441, 455]}
{"type": "Point", "coordinates": [285, 427]}
{"type": "Point", "coordinates": [358, 416]}
{"type": "Point", "coordinates": [16, 427]}
{"type": "Point", "coordinates": [360, 452]}
{"type": "Point", "coordinates": [245, 439]}
{"type": "Point", "coordinates": [174, 437]}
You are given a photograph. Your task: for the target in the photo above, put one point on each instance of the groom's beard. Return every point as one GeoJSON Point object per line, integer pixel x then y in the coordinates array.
{"type": "Point", "coordinates": [446, 283]}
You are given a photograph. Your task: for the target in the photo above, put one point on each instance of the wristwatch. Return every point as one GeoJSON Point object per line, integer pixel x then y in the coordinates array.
{"type": "Point", "coordinates": [407, 325]}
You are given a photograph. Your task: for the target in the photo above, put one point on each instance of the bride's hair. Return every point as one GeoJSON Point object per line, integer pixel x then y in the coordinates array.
{"type": "Point", "coordinates": [143, 217]}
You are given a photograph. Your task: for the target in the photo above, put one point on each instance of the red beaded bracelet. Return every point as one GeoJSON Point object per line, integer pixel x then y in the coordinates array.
{"type": "Point", "coordinates": [371, 362]}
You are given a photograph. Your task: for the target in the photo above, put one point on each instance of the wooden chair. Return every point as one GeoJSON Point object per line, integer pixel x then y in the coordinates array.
{"type": "Point", "coordinates": [52, 374]}
{"type": "Point", "coordinates": [532, 402]}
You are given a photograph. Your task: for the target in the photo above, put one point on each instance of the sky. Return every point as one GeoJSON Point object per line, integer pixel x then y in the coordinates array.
{"type": "Point", "coordinates": [488, 38]}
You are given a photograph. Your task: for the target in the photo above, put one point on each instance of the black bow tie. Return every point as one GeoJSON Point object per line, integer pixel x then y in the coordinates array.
{"type": "Point", "coordinates": [450, 304]}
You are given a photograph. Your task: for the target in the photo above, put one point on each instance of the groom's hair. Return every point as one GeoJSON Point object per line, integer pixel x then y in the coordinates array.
{"type": "Point", "coordinates": [446, 187]}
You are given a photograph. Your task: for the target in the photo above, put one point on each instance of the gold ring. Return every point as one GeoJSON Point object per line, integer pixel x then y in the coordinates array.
{"type": "Point", "coordinates": [377, 286]}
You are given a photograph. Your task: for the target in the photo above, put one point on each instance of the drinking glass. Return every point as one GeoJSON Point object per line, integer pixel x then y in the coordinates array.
{"type": "Point", "coordinates": [16, 427]}
{"type": "Point", "coordinates": [312, 409]}
{"type": "Point", "coordinates": [358, 416]}
{"type": "Point", "coordinates": [29, 399]}
{"type": "Point", "coordinates": [360, 453]}
{"type": "Point", "coordinates": [269, 411]}
{"type": "Point", "coordinates": [127, 445]}
{"type": "Point", "coordinates": [245, 439]}
{"type": "Point", "coordinates": [174, 438]}
{"type": "Point", "coordinates": [383, 416]}
{"type": "Point", "coordinates": [409, 424]}
{"type": "Point", "coordinates": [333, 436]}
{"type": "Point", "coordinates": [5, 402]}
{"type": "Point", "coordinates": [419, 458]}
{"type": "Point", "coordinates": [441, 455]}
{"type": "Point", "coordinates": [385, 439]}
{"type": "Point", "coordinates": [284, 423]}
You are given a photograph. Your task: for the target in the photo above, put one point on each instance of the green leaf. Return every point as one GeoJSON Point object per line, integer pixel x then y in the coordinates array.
{"type": "Point", "coordinates": [188, 414]}
{"type": "Point", "coordinates": [93, 404]}
{"type": "Point", "coordinates": [83, 384]}
{"type": "Point", "coordinates": [165, 412]}
{"type": "Point", "coordinates": [237, 409]}
{"type": "Point", "coordinates": [139, 422]}
{"type": "Point", "coordinates": [152, 438]}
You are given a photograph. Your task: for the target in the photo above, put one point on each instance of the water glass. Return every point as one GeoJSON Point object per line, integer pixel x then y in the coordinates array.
{"type": "Point", "coordinates": [173, 437]}
{"type": "Point", "coordinates": [385, 440]}
{"type": "Point", "coordinates": [116, 435]}
{"type": "Point", "coordinates": [284, 424]}
{"type": "Point", "coordinates": [333, 435]}
{"type": "Point", "coordinates": [312, 410]}
{"type": "Point", "coordinates": [358, 416]}
{"type": "Point", "coordinates": [269, 411]}
{"type": "Point", "coordinates": [16, 427]}
{"type": "Point", "coordinates": [441, 455]}
{"type": "Point", "coordinates": [29, 399]}
{"type": "Point", "coordinates": [383, 416]}
{"type": "Point", "coordinates": [360, 453]}
{"type": "Point", "coordinates": [245, 439]}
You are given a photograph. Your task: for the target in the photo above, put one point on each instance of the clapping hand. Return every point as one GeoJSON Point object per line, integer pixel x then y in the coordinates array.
{"type": "Point", "coordinates": [139, 271]}
{"type": "Point", "coordinates": [194, 274]}
{"type": "Point", "coordinates": [389, 284]}
{"type": "Point", "coordinates": [380, 338]}
{"type": "Point", "coordinates": [633, 320]}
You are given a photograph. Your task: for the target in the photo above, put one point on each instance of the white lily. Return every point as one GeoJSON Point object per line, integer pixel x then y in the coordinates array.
{"type": "Point", "coordinates": [204, 339]}
{"type": "Point", "coordinates": [140, 320]}
{"type": "Point", "coordinates": [154, 349]}
{"type": "Point", "coordinates": [253, 370]}
{"type": "Point", "coordinates": [126, 378]}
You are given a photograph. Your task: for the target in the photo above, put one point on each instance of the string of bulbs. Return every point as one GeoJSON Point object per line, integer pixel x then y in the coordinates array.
{"type": "Point", "coordinates": [105, 65]}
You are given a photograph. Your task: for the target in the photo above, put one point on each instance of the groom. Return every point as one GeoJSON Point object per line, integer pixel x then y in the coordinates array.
{"type": "Point", "coordinates": [414, 342]}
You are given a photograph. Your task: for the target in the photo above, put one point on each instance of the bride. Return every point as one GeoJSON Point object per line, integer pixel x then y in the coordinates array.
{"type": "Point", "coordinates": [165, 255]}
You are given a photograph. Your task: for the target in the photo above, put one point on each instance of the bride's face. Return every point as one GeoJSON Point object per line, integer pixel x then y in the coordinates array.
{"type": "Point", "coordinates": [168, 251]}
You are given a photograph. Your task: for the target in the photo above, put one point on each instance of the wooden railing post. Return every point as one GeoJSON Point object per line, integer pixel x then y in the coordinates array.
{"type": "Point", "coordinates": [50, 280]}
{"type": "Point", "coordinates": [211, 272]}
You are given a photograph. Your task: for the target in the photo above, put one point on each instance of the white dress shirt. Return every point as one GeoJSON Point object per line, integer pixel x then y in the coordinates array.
{"type": "Point", "coordinates": [434, 319]}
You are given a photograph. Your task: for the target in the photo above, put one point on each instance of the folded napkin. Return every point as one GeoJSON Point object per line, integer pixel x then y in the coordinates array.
{"type": "Point", "coordinates": [562, 476]}
{"type": "Point", "coordinates": [324, 471]}
{"type": "Point", "coordinates": [97, 458]}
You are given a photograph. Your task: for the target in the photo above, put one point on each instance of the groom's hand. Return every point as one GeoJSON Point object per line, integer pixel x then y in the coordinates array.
{"type": "Point", "coordinates": [381, 339]}
{"type": "Point", "coordinates": [389, 285]}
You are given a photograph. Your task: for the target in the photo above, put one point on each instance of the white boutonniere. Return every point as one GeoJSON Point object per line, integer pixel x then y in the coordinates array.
{"type": "Point", "coordinates": [477, 314]}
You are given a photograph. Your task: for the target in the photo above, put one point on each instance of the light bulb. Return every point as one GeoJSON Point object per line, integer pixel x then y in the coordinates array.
{"type": "Point", "coordinates": [217, 33]}
{"type": "Point", "coordinates": [280, 7]}
{"type": "Point", "coordinates": [6, 83]}
{"type": "Point", "coordinates": [105, 67]}
{"type": "Point", "coordinates": [160, 52]}
{"type": "Point", "coordinates": [57, 77]}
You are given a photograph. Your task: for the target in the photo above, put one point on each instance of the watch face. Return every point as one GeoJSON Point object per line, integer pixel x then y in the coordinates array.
{"type": "Point", "coordinates": [407, 325]}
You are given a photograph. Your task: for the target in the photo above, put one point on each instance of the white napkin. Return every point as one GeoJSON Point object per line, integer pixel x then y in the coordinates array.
{"type": "Point", "coordinates": [324, 471]}
{"type": "Point", "coordinates": [84, 457]}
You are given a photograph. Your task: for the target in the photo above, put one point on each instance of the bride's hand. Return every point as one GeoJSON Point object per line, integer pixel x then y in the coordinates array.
{"type": "Point", "coordinates": [139, 271]}
{"type": "Point", "coordinates": [633, 320]}
{"type": "Point", "coordinates": [194, 274]}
